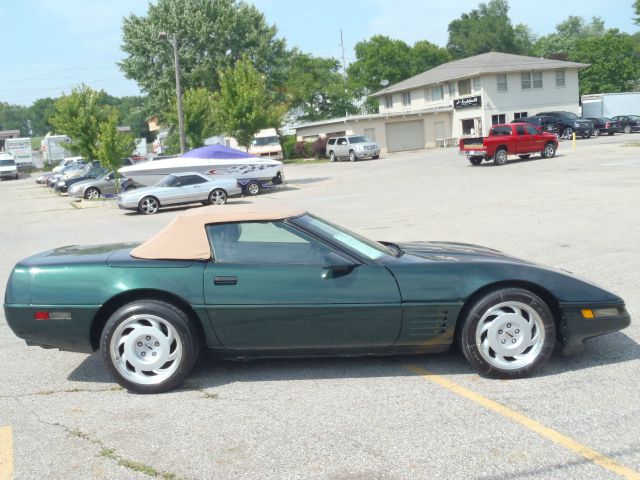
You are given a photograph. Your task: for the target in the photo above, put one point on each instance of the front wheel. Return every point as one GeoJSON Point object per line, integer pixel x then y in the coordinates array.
{"type": "Point", "coordinates": [508, 333]}
{"type": "Point", "coordinates": [148, 206]}
{"type": "Point", "coordinates": [596, 132]}
{"type": "Point", "coordinates": [375, 157]}
{"type": "Point", "coordinates": [549, 150]}
{"type": "Point", "coordinates": [500, 158]}
{"type": "Point", "coordinates": [150, 346]}
{"type": "Point", "coordinates": [92, 193]}
{"type": "Point", "coordinates": [627, 129]}
{"type": "Point", "coordinates": [218, 197]}
{"type": "Point", "coordinates": [567, 133]}
{"type": "Point", "coordinates": [352, 156]}
{"type": "Point", "coordinates": [332, 157]}
{"type": "Point", "coordinates": [253, 188]}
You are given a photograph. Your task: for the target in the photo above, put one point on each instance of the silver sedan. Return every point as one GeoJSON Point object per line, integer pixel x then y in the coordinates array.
{"type": "Point", "coordinates": [179, 189]}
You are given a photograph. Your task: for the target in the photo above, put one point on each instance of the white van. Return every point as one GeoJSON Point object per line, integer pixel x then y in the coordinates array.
{"type": "Point", "coordinates": [8, 167]}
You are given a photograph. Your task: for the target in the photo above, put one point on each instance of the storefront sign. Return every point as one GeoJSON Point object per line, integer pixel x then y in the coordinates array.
{"type": "Point", "coordinates": [467, 102]}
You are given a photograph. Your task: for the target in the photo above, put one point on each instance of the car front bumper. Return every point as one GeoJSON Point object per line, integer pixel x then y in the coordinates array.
{"type": "Point", "coordinates": [9, 174]}
{"type": "Point", "coordinates": [575, 328]}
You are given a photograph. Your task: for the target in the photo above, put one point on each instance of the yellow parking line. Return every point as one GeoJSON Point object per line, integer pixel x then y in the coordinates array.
{"type": "Point", "coordinates": [540, 429]}
{"type": "Point", "coordinates": [6, 453]}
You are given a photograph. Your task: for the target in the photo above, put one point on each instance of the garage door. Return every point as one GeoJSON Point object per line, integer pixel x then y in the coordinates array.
{"type": "Point", "coordinates": [405, 136]}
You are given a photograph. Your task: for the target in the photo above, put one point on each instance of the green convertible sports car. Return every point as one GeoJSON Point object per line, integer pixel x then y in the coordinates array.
{"type": "Point", "coordinates": [264, 283]}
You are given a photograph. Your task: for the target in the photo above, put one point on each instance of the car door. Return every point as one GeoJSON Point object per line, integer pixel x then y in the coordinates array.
{"type": "Point", "coordinates": [341, 147]}
{"type": "Point", "coordinates": [269, 287]}
{"type": "Point", "coordinates": [536, 140]}
{"type": "Point", "coordinates": [192, 187]}
{"type": "Point", "coordinates": [522, 140]}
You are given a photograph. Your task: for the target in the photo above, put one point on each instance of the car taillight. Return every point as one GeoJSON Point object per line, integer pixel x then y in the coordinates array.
{"type": "Point", "coordinates": [607, 125]}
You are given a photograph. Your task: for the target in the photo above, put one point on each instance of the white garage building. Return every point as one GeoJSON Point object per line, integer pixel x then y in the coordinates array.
{"type": "Point", "coordinates": [458, 99]}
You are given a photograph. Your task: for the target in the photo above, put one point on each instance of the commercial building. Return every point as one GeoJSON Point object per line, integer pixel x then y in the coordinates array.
{"type": "Point", "coordinates": [460, 98]}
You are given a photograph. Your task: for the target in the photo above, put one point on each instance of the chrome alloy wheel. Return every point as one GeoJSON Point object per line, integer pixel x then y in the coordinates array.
{"type": "Point", "coordinates": [549, 150]}
{"type": "Point", "coordinates": [149, 205]}
{"type": "Point", "coordinates": [146, 349]}
{"type": "Point", "coordinates": [217, 197]}
{"type": "Point", "coordinates": [510, 335]}
{"type": "Point", "coordinates": [92, 193]}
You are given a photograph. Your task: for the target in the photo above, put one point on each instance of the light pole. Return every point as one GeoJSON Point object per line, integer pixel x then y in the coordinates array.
{"type": "Point", "coordinates": [176, 63]}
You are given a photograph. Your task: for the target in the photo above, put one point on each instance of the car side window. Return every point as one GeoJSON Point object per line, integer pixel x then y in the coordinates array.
{"type": "Point", "coordinates": [342, 141]}
{"type": "Point", "coordinates": [531, 130]}
{"type": "Point", "coordinates": [331, 141]}
{"type": "Point", "coordinates": [192, 180]}
{"type": "Point", "coordinates": [520, 130]}
{"type": "Point", "coordinates": [264, 243]}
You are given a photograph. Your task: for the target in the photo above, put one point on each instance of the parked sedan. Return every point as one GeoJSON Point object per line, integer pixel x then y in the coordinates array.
{"type": "Point", "coordinates": [604, 125]}
{"type": "Point", "coordinates": [255, 283]}
{"type": "Point", "coordinates": [628, 123]}
{"type": "Point", "coordinates": [102, 186]}
{"type": "Point", "coordinates": [180, 189]}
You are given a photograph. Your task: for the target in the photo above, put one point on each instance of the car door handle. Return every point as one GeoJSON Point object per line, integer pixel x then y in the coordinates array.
{"type": "Point", "coordinates": [225, 280]}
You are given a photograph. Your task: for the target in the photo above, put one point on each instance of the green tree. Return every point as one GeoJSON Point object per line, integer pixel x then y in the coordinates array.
{"type": "Point", "coordinates": [636, 9]}
{"type": "Point", "coordinates": [524, 39]}
{"type": "Point", "coordinates": [211, 35]}
{"type": "Point", "coordinates": [79, 116]}
{"type": "Point", "coordinates": [613, 60]}
{"type": "Point", "coordinates": [198, 106]}
{"type": "Point", "coordinates": [561, 43]}
{"type": "Point", "coordinates": [242, 105]}
{"type": "Point", "coordinates": [425, 55]}
{"type": "Point", "coordinates": [316, 89]}
{"type": "Point", "coordinates": [485, 29]}
{"type": "Point", "coordinates": [40, 112]}
{"type": "Point", "coordinates": [112, 145]}
{"type": "Point", "coordinates": [14, 117]}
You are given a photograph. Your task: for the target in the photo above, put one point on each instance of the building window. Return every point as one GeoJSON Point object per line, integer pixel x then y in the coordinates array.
{"type": "Point", "coordinates": [452, 89]}
{"type": "Point", "coordinates": [502, 82]}
{"type": "Point", "coordinates": [559, 78]}
{"type": "Point", "coordinates": [476, 84]}
{"type": "Point", "coordinates": [388, 101]}
{"type": "Point", "coordinates": [496, 119]}
{"type": "Point", "coordinates": [526, 80]}
{"type": "Point", "coordinates": [464, 87]}
{"type": "Point", "coordinates": [518, 115]}
{"type": "Point", "coordinates": [537, 79]}
{"type": "Point", "coordinates": [437, 93]}
{"type": "Point", "coordinates": [406, 99]}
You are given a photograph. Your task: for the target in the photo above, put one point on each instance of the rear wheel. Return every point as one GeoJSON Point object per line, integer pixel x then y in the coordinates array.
{"type": "Point", "coordinates": [586, 134]}
{"type": "Point", "coordinates": [500, 158]}
{"type": "Point", "coordinates": [596, 132]}
{"type": "Point", "coordinates": [149, 346]}
{"type": "Point", "coordinates": [475, 160]}
{"type": "Point", "coordinates": [149, 205]}
{"type": "Point", "coordinates": [627, 129]}
{"type": "Point", "coordinates": [92, 193]}
{"type": "Point", "coordinates": [507, 333]}
{"type": "Point", "coordinates": [218, 197]}
{"type": "Point", "coordinates": [253, 188]}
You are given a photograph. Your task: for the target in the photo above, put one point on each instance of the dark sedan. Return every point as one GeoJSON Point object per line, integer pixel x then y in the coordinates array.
{"type": "Point", "coordinates": [604, 125]}
{"type": "Point", "coordinates": [252, 283]}
{"type": "Point", "coordinates": [628, 123]}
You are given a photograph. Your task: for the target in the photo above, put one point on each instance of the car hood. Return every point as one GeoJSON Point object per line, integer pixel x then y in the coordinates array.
{"type": "Point", "coordinates": [454, 252]}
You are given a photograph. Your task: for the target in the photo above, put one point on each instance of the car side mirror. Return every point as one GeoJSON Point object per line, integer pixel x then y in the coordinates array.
{"type": "Point", "coordinates": [337, 266]}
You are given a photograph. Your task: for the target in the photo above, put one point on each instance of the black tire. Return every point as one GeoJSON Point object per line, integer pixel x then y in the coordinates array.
{"type": "Point", "coordinates": [549, 150]}
{"type": "Point", "coordinates": [149, 205]}
{"type": "Point", "coordinates": [627, 129]}
{"type": "Point", "coordinates": [92, 192]}
{"type": "Point", "coordinates": [252, 188]}
{"type": "Point", "coordinates": [500, 157]}
{"type": "Point", "coordinates": [596, 132]}
{"type": "Point", "coordinates": [352, 156]}
{"type": "Point", "coordinates": [135, 315]}
{"type": "Point", "coordinates": [586, 134]}
{"type": "Point", "coordinates": [332, 156]}
{"type": "Point", "coordinates": [475, 160]}
{"type": "Point", "coordinates": [375, 157]}
{"type": "Point", "coordinates": [495, 329]}
{"type": "Point", "coordinates": [567, 133]}
{"type": "Point", "coordinates": [524, 157]}
{"type": "Point", "coordinates": [612, 133]}
{"type": "Point", "coordinates": [217, 197]}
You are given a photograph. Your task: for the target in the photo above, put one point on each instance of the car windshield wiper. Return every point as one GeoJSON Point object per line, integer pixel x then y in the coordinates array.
{"type": "Point", "coordinates": [398, 251]}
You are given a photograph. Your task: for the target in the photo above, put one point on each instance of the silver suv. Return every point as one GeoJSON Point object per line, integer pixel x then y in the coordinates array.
{"type": "Point", "coordinates": [352, 147]}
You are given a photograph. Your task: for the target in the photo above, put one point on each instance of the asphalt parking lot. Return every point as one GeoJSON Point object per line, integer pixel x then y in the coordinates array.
{"type": "Point", "coordinates": [63, 417]}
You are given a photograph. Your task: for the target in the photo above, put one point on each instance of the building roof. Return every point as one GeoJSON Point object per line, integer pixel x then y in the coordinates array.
{"type": "Point", "coordinates": [492, 62]}
{"type": "Point", "coordinates": [185, 238]}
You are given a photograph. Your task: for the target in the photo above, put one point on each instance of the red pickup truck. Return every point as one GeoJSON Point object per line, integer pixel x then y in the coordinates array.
{"type": "Point", "coordinates": [522, 139]}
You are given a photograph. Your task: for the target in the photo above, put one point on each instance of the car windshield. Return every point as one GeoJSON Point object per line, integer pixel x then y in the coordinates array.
{"type": "Point", "coordinates": [167, 181]}
{"type": "Point", "coordinates": [262, 141]}
{"type": "Point", "coordinates": [7, 163]}
{"type": "Point", "coordinates": [352, 241]}
{"type": "Point", "coordinates": [359, 139]}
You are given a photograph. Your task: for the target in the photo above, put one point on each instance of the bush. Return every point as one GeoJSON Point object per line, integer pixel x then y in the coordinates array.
{"type": "Point", "coordinates": [299, 149]}
{"type": "Point", "coordinates": [287, 146]}
{"type": "Point", "coordinates": [320, 148]}
{"type": "Point", "coordinates": [308, 150]}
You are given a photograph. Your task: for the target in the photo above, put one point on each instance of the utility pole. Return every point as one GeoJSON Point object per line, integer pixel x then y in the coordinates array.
{"type": "Point", "coordinates": [176, 64]}
{"type": "Point", "coordinates": [344, 65]}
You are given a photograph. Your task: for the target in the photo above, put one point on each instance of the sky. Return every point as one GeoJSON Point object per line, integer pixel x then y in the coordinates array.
{"type": "Point", "coordinates": [50, 46]}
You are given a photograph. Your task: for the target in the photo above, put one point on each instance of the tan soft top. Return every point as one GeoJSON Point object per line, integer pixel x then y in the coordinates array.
{"type": "Point", "coordinates": [185, 238]}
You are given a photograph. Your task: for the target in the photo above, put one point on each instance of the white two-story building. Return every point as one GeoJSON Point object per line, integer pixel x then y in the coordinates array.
{"type": "Point", "coordinates": [457, 99]}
